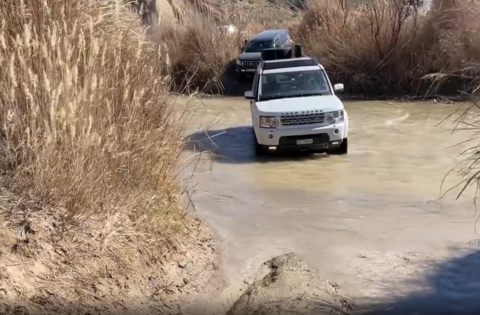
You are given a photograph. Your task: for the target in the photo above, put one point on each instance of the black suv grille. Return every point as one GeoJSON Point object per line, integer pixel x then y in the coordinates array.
{"type": "Point", "coordinates": [250, 64]}
{"type": "Point", "coordinates": [303, 119]}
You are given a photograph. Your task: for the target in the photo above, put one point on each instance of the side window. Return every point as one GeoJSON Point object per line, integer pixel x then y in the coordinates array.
{"type": "Point", "coordinates": [277, 43]}
{"type": "Point", "coordinates": [284, 39]}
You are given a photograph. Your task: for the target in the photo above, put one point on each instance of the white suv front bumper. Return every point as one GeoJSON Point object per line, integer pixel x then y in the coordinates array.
{"type": "Point", "coordinates": [324, 137]}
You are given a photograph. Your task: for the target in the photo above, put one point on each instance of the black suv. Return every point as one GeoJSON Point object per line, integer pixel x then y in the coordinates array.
{"type": "Point", "coordinates": [251, 53]}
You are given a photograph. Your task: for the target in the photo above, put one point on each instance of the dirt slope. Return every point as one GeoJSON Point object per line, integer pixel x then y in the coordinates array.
{"type": "Point", "coordinates": [45, 269]}
{"type": "Point", "coordinates": [291, 288]}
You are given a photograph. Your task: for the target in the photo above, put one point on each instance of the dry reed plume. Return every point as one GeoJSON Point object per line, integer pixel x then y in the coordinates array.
{"type": "Point", "coordinates": [87, 120]}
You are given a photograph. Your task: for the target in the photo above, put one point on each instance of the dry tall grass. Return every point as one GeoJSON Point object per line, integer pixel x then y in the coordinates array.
{"type": "Point", "coordinates": [202, 54]}
{"type": "Point", "coordinates": [86, 122]}
{"type": "Point", "coordinates": [373, 46]}
{"type": "Point", "coordinates": [87, 119]}
{"type": "Point", "coordinates": [466, 120]}
{"type": "Point", "coordinates": [385, 46]}
{"type": "Point", "coordinates": [90, 138]}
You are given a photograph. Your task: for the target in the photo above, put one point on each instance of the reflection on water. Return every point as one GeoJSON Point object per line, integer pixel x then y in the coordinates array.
{"type": "Point", "coordinates": [379, 197]}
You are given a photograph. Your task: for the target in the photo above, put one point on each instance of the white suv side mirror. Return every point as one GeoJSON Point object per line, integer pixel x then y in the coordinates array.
{"type": "Point", "coordinates": [338, 87]}
{"type": "Point", "coordinates": [249, 95]}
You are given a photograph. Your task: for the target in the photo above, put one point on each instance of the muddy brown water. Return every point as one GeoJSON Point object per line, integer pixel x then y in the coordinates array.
{"type": "Point", "coordinates": [369, 221]}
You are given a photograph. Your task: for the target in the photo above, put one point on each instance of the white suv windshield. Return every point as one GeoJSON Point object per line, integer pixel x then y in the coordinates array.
{"type": "Point", "coordinates": [293, 84]}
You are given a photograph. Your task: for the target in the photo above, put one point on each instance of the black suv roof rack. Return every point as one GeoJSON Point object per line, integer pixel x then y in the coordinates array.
{"type": "Point", "coordinates": [289, 55]}
{"type": "Point", "coordinates": [295, 63]}
{"type": "Point", "coordinates": [282, 53]}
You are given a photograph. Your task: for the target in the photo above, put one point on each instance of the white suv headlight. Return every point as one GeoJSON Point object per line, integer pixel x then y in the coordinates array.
{"type": "Point", "coordinates": [334, 117]}
{"type": "Point", "coordinates": [268, 122]}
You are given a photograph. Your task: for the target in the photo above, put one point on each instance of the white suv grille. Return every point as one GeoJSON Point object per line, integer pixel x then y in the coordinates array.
{"type": "Point", "coordinates": [302, 119]}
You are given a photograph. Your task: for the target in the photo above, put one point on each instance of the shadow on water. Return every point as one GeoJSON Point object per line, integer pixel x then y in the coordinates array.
{"type": "Point", "coordinates": [451, 287]}
{"type": "Point", "coordinates": [236, 145]}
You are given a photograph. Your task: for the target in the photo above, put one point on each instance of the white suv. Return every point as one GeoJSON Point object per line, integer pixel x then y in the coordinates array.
{"type": "Point", "coordinates": [294, 107]}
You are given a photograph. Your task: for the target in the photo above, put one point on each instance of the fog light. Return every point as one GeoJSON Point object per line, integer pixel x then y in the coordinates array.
{"type": "Point", "coordinates": [335, 131]}
{"type": "Point", "coordinates": [270, 136]}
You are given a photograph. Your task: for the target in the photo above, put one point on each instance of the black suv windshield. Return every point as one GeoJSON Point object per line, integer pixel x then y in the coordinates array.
{"type": "Point", "coordinates": [257, 46]}
{"type": "Point", "coordinates": [293, 84]}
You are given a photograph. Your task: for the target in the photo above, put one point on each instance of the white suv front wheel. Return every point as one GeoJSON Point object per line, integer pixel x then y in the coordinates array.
{"type": "Point", "coordinates": [342, 149]}
{"type": "Point", "coordinates": [259, 149]}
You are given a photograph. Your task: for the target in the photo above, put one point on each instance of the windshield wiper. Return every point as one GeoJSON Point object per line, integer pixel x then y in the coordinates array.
{"type": "Point", "coordinates": [274, 97]}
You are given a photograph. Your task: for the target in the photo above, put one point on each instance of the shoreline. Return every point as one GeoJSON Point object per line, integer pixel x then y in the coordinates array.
{"type": "Point", "coordinates": [442, 99]}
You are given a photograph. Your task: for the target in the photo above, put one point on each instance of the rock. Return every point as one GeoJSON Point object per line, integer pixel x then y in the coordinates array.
{"type": "Point", "coordinates": [182, 264]}
{"type": "Point", "coordinates": [291, 288]}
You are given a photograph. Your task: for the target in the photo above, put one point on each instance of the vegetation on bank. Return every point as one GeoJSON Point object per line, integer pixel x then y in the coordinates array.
{"type": "Point", "coordinates": [89, 139]}
{"type": "Point", "coordinates": [373, 46]}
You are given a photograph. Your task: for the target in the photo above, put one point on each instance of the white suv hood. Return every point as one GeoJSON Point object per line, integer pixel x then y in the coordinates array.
{"type": "Point", "coordinates": [326, 103]}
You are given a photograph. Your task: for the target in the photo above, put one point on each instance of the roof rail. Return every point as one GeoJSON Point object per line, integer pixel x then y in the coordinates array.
{"type": "Point", "coordinates": [282, 53]}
